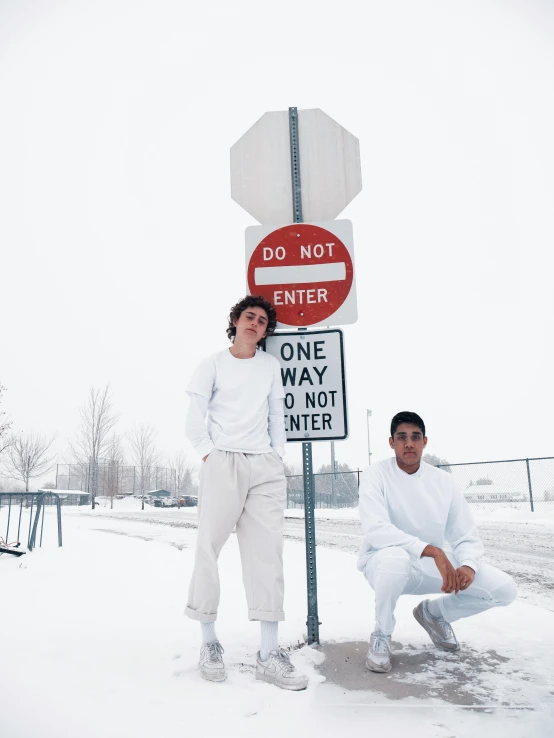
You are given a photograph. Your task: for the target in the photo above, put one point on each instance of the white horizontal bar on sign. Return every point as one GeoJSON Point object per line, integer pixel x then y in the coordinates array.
{"type": "Point", "coordinates": [306, 274]}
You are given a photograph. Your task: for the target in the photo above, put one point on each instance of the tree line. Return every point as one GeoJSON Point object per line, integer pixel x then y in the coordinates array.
{"type": "Point", "coordinates": [98, 449]}
{"type": "Point", "coordinates": [101, 454]}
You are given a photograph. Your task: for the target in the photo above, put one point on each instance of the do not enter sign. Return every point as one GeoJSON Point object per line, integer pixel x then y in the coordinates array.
{"type": "Point", "coordinates": [306, 270]}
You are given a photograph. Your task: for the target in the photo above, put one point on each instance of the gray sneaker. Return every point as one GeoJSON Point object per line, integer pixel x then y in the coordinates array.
{"type": "Point", "coordinates": [440, 631]}
{"type": "Point", "coordinates": [278, 670]}
{"type": "Point", "coordinates": [211, 663]}
{"type": "Point", "coordinates": [378, 656]}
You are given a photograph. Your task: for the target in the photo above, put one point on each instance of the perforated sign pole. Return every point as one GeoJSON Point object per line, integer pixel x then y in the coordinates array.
{"type": "Point", "coordinates": [307, 463]}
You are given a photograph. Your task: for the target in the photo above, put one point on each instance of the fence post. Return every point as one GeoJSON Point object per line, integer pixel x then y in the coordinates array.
{"type": "Point", "coordinates": [33, 536]}
{"type": "Point", "coordinates": [59, 515]}
{"type": "Point", "coordinates": [530, 487]}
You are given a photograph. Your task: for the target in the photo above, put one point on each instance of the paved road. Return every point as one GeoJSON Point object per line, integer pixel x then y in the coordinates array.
{"type": "Point", "coordinates": [524, 549]}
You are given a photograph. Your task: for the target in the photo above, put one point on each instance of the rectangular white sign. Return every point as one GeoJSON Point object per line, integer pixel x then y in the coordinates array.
{"type": "Point", "coordinates": [302, 274]}
{"type": "Point", "coordinates": [314, 379]}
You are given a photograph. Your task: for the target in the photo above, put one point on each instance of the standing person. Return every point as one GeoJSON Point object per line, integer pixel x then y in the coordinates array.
{"type": "Point", "coordinates": [242, 484]}
{"type": "Point", "coordinates": [408, 510]}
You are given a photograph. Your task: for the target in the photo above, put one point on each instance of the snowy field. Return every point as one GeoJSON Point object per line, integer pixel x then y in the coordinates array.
{"type": "Point", "coordinates": [95, 644]}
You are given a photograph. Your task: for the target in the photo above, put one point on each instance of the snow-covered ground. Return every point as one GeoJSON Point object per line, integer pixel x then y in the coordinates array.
{"type": "Point", "coordinates": [94, 644]}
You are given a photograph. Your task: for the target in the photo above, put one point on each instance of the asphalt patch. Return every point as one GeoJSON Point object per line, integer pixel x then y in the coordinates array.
{"type": "Point", "coordinates": [461, 678]}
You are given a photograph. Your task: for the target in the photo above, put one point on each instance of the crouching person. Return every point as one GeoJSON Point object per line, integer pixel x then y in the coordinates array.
{"type": "Point", "coordinates": [408, 510]}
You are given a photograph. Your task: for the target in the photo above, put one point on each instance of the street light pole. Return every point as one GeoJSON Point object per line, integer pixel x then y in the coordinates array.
{"type": "Point", "coordinates": [368, 446]}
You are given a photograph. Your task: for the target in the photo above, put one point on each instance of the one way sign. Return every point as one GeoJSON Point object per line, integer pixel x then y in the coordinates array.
{"type": "Point", "coordinates": [312, 368]}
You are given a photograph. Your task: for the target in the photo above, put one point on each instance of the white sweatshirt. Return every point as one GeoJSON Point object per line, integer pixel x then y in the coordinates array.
{"type": "Point", "coordinates": [414, 510]}
{"type": "Point", "coordinates": [243, 402]}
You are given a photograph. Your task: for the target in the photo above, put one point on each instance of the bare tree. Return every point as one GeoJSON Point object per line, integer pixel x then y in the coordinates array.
{"type": "Point", "coordinates": [292, 470]}
{"type": "Point", "coordinates": [8, 485]}
{"type": "Point", "coordinates": [181, 472]}
{"type": "Point", "coordinates": [5, 438]}
{"type": "Point", "coordinates": [142, 441]}
{"type": "Point", "coordinates": [112, 469]}
{"type": "Point", "coordinates": [437, 461]}
{"type": "Point", "coordinates": [93, 436]}
{"type": "Point", "coordinates": [28, 457]}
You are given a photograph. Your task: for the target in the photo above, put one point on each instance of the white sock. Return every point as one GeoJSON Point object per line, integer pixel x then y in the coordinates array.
{"type": "Point", "coordinates": [433, 607]}
{"type": "Point", "coordinates": [208, 632]}
{"type": "Point", "coordinates": [270, 638]}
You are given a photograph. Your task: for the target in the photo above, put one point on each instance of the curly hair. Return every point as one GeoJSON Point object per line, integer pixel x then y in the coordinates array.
{"type": "Point", "coordinates": [248, 302]}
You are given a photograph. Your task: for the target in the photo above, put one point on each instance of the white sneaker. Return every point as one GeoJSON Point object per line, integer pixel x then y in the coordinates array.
{"type": "Point", "coordinates": [378, 656]}
{"type": "Point", "coordinates": [278, 670]}
{"type": "Point", "coordinates": [440, 631]}
{"type": "Point", "coordinates": [211, 663]}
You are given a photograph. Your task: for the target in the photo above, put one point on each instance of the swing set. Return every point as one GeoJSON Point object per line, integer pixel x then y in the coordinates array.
{"type": "Point", "coordinates": [20, 508]}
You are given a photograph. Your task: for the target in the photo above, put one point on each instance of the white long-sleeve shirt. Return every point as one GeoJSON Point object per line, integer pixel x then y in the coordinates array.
{"type": "Point", "coordinates": [414, 510]}
{"type": "Point", "coordinates": [243, 402]}
{"type": "Point", "coordinates": [197, 432]}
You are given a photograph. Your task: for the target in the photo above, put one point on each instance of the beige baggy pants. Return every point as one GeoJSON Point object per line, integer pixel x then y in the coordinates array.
{"type": "Point", "coordinates": [247, 491]}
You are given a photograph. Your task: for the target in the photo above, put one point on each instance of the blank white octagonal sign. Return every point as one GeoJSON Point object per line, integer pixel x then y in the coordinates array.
{"type": "Point", "coordinates": [330, 172]}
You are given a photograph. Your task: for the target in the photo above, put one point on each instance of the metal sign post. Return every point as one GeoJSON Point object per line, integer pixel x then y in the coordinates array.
{"type": "Point", "coordinates": [307, 463]}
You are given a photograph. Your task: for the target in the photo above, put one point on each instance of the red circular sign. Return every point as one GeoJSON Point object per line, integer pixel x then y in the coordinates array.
{"type": "Point", "coordinates": [305, 271]}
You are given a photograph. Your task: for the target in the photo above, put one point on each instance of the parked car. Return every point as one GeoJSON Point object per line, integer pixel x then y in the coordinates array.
{"type": "Point", "coordinates": [156, 497]}
{"type": "Point", "coordinates": [188, 501]}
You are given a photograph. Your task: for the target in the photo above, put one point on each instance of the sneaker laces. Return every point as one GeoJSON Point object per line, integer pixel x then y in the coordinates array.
{"type": "Point", "coordinates": [380, 644]}
{"type": "Point", "coordinates": [283, 657]}
{"type": "Point", "coordinates": [446, 628]}
{"type": "Point", "coordinates": [214, 649]}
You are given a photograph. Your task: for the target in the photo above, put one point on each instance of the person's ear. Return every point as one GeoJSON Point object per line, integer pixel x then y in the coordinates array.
{"type": "Point", "coordinates": [391, 442]}
{"type": "Point", "coordinates": [424, 441]}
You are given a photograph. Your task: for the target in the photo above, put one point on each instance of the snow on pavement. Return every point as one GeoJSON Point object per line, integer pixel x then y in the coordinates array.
{"type": "Point", "coordinates": [95, 644]}
{"type": "Point", "coordinates": [517, 541]}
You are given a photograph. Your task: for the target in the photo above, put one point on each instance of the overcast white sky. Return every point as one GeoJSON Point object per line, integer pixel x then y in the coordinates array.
{"type": "Point", "coordinates": [122, 251]}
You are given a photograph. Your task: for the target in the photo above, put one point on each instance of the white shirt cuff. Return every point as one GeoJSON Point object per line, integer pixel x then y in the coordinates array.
{"type": "Point", "coordinates": [472, 564]}
{"type": "Point", "coordinates": [417, 548]}
{"type": "Point", "coordinates": [205, 448]}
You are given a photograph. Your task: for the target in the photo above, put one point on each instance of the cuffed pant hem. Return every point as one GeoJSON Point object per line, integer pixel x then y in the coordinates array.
{"type": "Point", "coordinates": [266, 615]}
{"type": "Point", "coordinates": [384, 631]}
{"type": "Point", "coordinates": [201, 616]}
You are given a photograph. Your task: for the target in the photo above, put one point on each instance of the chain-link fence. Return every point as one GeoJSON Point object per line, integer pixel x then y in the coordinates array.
{"type": "Point", "coordinates": [114, 479]}
{"type": "Point", "coordinates": [331, 490]}
{"type": "Point", "coordinates": [521, 484]}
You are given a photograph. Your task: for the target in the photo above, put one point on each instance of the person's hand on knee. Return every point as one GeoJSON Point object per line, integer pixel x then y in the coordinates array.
{"type": "Point", "coordinates": [450, 581]}
{"type": "Point", "coordinates": [465, 575]}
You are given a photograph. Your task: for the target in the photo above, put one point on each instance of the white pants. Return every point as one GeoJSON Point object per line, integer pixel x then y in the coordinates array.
{"type": "Point", "coordinates": [391, 573]}
{"type": "Point", "coordinates": [247, 491]}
